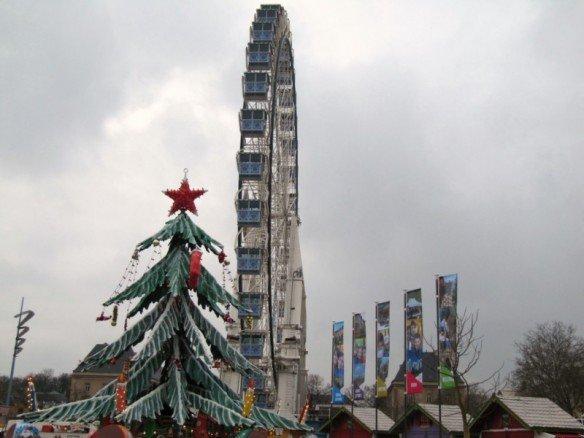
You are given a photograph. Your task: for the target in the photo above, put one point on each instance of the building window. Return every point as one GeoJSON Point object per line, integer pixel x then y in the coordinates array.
{"type": "Point", "coordinates": [87, 387]}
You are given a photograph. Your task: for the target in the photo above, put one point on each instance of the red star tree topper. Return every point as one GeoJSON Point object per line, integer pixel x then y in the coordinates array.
{"type": "Point", "coordinates": [184, 197]}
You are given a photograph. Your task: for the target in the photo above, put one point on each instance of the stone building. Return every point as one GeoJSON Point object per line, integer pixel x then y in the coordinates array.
{"type": "Point", "coordinates": [393, 404]}
{"type": "Point", "coordinates": [85, 384]}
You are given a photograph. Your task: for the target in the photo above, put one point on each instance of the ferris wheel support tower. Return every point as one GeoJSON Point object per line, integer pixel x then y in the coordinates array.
{"type": "Point", "coordinates": [270, 281]}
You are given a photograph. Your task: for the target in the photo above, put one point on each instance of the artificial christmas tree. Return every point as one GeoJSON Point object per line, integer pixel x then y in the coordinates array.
{"type": "Point", "coordinates": [171, 379]}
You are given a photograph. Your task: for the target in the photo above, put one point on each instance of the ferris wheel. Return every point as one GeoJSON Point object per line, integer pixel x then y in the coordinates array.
{"type": "Point", "coordinates": [270, 283]}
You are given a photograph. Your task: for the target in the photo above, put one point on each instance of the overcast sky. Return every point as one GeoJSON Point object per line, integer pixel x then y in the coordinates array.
{"type": "Point", "coordinates": [434, 137]}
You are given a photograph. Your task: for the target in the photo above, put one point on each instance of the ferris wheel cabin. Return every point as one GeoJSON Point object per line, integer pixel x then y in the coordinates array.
{"type": "Point", "coordinates": [255, 85]}
{"type": "Point", "coordinates": [259, 56]}
{"type": "Point", "coordinates": [262, 31]}
{"type": "Point", "coordinates": [251, 165]}
{"type": "Point", "coordinates": [249, 261]}
{"type": "Point", "coordinates": [249, 212]}
{"type": "Point", "coordinates": [252, 122]}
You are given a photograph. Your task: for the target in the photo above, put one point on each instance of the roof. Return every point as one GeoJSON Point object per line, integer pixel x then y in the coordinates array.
{"type": "Point", "coordinates": [429, 369]}
{"type": "Point", "coordinates": [365, 416]}
{"type": "Point", "coordinates": [107, 368]}
{"type": "Point", "coordinates": [451, 416]}
{"type": "Point", "coordinates": [535, 412]}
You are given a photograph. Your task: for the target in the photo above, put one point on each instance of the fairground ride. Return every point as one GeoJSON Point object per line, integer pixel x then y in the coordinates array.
{"type": "Point", "coordinates": [270, 282]}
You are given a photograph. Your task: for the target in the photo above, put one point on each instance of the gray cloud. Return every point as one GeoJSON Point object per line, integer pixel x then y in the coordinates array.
{"type": "Point", "coordinates": [434, 138]}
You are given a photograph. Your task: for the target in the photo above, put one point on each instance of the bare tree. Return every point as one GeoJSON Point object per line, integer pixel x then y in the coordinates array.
{"type": "Point", "coordinates": [465, 350]}
{"type": "Point", "coordinates": [315, 385]}
{"type": "Point", "coordinates": [551, 364]}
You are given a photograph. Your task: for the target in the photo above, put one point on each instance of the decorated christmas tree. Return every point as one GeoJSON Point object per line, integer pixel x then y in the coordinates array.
{"type": "Point", "coordinates": [170, 379]}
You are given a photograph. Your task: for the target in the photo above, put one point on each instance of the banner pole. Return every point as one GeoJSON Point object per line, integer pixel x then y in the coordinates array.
{"type": "Point", "coordinates": [437, 281]}
{"type": "Point", "coordinates": [405, 363]}
{"type": "Point", "coordinates": [332, 369]}
{"type": "Point", "coordinates": [376, 367]}
{"type": "Point", "coordinates": [352, 370]}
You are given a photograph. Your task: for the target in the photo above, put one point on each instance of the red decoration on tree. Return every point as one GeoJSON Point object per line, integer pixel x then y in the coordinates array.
{"type": "Point", "coordinates": [121, 399]}
{"type": "Point", "coordinates": [228, 319]}
{"type": "Point", "coordinates": [195, 269]}
{"type": "Point", "coordinates": [184, 198]}
{"type": "Point", "coordinates": [221, 257]}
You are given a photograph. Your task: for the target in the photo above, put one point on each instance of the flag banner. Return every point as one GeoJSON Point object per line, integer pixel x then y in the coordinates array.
{"type": "Point", "coordinates": [446, 377]}
{"type": "Point", "coordinates": [359, 356]}
{"type": "Point", "coordinates": [447, 295]}
{"type": "Point", "coordinates": [382, 348]}
{"type": "Point", "coordinates": [413, 385]}
{"type": "Point", "coordinates": [414, 341]}
{"type": "Point", "coordinates": [338, 364]}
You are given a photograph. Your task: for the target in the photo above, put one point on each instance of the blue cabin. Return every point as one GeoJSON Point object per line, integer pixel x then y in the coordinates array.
{"type": "Point", "coordinates": [249, 261]}
{"type": "Point", "coordinates": [252, 122]}
{"type": "Point", "coordinates": [251, 165]}
{"type": "Point", "coordinates": [268, 14]}
{"type": "Point", "coordinates": [258, 55]}
{"type": "Point", "coordinates": [252, 346]}
{"type": "Point", "coordinates": [259, 383]}
{"type": "Point", "coordinates": [256, 85]}
{"type": "Point", "coordinates": [253, 303]}
{"type": "Point", "coordinates": [261, 400]}
{"type": "Point", "coordinates": [249, 212]}
{"type": "Point", "coordinates": [262, 31]}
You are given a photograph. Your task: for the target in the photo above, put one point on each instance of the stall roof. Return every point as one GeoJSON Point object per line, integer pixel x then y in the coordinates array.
{"type": "Point", "coordinates": [535, 412]}
{"type": "Point", "coordinates": [365, 416]}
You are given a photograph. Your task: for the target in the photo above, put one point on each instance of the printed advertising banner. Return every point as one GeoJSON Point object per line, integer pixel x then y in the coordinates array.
{"type": "Point", "coordinates": [447, 295]}
{"type": "Point", "coordinates": [338, 364]}
{"type": "Point", "coordinates": [414, 339]}
{"type": "Point", "coordinates": [359, 356]}
{"type": "Point", "coordinates": [382, 348]}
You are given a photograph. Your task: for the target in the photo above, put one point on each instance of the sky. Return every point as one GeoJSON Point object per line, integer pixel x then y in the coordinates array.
{"type": "Point", "coordinates": [434, 137]}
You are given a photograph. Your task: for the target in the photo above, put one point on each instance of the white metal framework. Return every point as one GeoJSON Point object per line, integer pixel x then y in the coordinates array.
{"type": "Point", "coordinates": [270, 279]}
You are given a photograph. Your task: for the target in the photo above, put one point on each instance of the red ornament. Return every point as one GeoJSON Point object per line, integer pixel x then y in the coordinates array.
{"type": "Point", "coordinates": [228, 319]}
{"type": "Point", "coordinates": [121, 399]}
{"type": "Point", "coordinates": [251, 384]}
{"type": "Point", "coordinates": [184, 198]}
{"type": "Point", "coordinates": [195, 269]}
{"type": "Point", "coordinates": [221, 257]}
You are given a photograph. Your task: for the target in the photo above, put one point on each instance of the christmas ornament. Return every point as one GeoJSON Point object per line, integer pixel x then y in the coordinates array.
{"type": "Point", "coordinates": [121, 399]}
{"type": "Point", "coordinates": [102, 317]}
{"type": "Point", "coordinates": [31, 399]}
{"type": "Point", "coordinates": [249, 322]}
{"type": "Point", "coordinates": [248, 398]}
{"type": "Point", "coordinates": [304, 412]}
{"type": "Point", "coordinates": [195, 269]}
{"type": "Point", "coordinates": [114, 316]}
{"type": "Point", "coordinates": [228, 319]}
{"type": "Point", "coordinates": [184, 197]}
{"type": "Point", "coordinates": [221, 256]}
